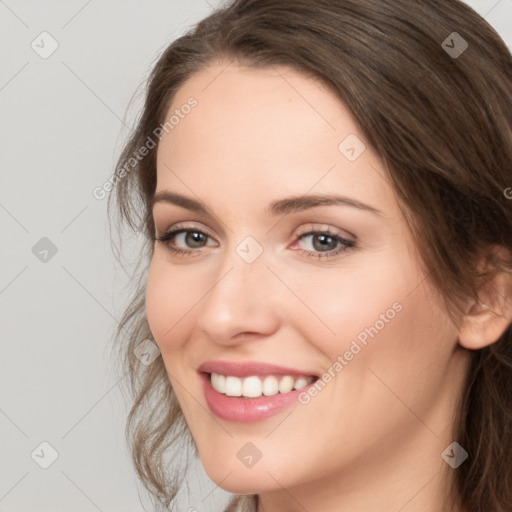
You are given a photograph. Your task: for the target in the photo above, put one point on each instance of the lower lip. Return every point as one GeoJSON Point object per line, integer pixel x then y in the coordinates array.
{"type": "Point", "coordinates": [247, 410]}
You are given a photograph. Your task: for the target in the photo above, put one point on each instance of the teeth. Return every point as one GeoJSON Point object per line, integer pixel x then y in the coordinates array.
{"type": "Point", "coordinates": [270, 386]}
{"type": "Point", "coordinates": [301, 382]}
{"type": "Point", "coordinates": [233, 386]}
{"type": "Point", "coordinates": [286, 384]}
{"type": "Point", "coordinates": [218, 382]}
{"type": "Point", "coordinates": [254, 387]}
{"type": "Point", "coordinates": [251, 386]}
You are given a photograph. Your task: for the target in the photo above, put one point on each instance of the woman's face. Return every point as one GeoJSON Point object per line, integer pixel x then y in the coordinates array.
{"type": "Point", "coordinates": [272, 274]}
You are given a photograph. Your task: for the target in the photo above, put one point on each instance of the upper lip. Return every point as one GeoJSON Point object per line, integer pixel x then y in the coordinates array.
{"type": "Point", "coordinates": [248, 368]}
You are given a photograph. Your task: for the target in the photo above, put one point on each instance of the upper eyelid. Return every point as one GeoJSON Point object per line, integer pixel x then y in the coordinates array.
{"type": "Point", "coordinates": [309, 230]}
{"type": "Point", "coordinates": [182, 226]}
{"type": "Point", "coordinates": [221, 226]}
{"type": "Point", "coordinates": [318, 227]}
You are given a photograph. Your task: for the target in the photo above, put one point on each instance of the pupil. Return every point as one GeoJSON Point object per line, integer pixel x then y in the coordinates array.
{"type": "Point", "coordinates": [324, 242]}
{"type": "Point", "coordinates": [193, 238]}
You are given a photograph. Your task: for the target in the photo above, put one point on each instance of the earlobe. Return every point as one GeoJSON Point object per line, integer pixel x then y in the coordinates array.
{"type": "Point", "coordinates": [488, 318]}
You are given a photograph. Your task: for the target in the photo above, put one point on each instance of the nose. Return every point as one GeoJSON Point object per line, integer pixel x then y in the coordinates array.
{"type": "Point", "coordinates": [242, 303]}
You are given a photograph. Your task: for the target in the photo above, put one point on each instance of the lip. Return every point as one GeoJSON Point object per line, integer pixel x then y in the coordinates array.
{"type": "Point", "coordinates": [246, 369]}
{"type": "Point", "coordinates": [244, 409]}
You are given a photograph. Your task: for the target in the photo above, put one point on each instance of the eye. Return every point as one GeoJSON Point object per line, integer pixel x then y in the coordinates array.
{"type": "Point", "coordinates": [184, 241]}
{"type": "Point", "coordinates": [317, 244]}
{"type": "Point", "coordinates": [323, 244]}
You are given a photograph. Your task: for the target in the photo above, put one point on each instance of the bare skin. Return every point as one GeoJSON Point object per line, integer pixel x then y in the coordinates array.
{"type": "Point", "coordinates": [372, 438]}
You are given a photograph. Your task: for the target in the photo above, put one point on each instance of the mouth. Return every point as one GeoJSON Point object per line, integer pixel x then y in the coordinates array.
{"type": "Point", "coordinates": [252, 398]}
{"type": "Point", "coordinates": [255, 386]}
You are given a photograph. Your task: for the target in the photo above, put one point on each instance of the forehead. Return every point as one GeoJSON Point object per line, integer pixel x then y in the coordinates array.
{"type": "Point", "coordinates": [262, 131]}
{"type": "Point", "coordinates": [257, 107]}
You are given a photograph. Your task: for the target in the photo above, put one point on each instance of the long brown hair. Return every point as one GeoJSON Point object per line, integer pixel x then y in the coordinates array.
{"type": "Point", "coordinates": [437, 108]}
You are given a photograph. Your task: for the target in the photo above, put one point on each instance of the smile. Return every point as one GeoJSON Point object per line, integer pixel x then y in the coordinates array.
{"type": "Point", "coordinates": [255, 386]}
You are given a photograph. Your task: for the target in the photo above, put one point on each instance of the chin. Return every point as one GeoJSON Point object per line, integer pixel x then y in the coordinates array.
{"type": "Point", "coordinates": [241, 480]}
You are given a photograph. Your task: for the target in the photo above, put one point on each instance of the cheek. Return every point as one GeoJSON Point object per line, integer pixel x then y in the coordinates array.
{"type": "Point", "coordinates": [341, 303]}
{"type": "Point", "coordinates": [376, 313]}
{"type": "Point", "coordinates": [169, 297]}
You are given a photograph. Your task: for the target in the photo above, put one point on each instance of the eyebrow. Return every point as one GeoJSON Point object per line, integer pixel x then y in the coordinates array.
{"type": "Point", "coordinates": [278, 207]}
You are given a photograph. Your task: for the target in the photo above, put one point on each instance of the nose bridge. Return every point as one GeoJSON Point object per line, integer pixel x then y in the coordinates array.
{"type": "Point", "coordinates": [240, 298]}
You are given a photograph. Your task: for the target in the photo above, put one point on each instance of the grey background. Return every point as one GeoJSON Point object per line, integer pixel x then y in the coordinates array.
{"type": "Point", "coordinates": [63, 120]}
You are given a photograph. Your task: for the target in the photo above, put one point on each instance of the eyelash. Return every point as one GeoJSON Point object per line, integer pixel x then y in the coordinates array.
{"type": "Point", "coordinates": [169, 236]}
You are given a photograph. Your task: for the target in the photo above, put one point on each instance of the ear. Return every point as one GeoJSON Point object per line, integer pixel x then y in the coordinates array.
{"type": "Point", "coordinates": [487, 319]}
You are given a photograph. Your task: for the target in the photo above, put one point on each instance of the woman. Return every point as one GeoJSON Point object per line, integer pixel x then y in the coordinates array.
{"type": "Point", "coordinates": [322, 187]}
